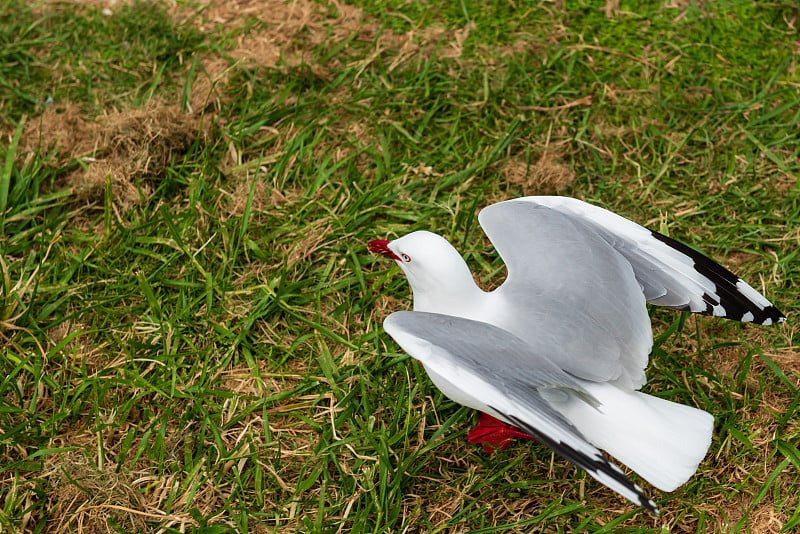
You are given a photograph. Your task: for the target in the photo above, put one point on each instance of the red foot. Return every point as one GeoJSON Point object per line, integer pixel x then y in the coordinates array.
{"type": "Point", "coordinates": [494, 434]}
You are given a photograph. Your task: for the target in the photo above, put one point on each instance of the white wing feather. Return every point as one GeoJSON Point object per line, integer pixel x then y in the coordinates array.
{"type": "Point", "coordinates": [568, 289]}
{"type": "Point", "coordinates": [671, 273]}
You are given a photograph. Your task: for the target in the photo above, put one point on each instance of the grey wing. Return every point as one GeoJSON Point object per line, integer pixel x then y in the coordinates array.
{"type": "Point", "coordinates": [489, 369]}
{"type": "Point", "coordinates": [568, 292]}
{"type": "Point", "coordinates": [671, 273]}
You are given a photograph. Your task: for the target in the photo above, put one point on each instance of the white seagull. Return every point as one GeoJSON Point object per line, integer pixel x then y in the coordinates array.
{"type": "Point", "coordinates": [559, 350]}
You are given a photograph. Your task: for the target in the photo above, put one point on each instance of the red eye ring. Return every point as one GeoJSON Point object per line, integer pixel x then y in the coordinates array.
{"type": "Point", "coordinates": [405, 258]}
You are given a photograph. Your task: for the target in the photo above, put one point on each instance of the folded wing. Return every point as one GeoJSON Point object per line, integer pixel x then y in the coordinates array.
{"type": "Point", "coordinates": [486, 368]}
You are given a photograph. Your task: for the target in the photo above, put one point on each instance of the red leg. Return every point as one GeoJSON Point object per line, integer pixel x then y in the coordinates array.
{"type": "Point", "coordinates": [494, 434]}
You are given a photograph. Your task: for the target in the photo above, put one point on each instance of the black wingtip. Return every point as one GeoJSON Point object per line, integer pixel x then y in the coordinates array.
{"type": "Point", "coordinates": [734, 298]}
{"type": "Point", "coordinates": [589, 464]}
{"type": "Point", "coordinates": [772, 315]}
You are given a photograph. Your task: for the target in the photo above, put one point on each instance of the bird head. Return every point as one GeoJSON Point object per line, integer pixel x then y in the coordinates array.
{"type": "Point", "coordinates": [437, 273]}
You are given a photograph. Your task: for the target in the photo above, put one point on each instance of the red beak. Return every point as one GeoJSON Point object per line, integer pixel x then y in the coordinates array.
{"type": "Point", "coordinates": [381, 246]}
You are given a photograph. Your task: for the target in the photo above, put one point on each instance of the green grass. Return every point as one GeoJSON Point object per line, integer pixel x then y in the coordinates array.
{"type": "Point", "coordinates": [192, 341]}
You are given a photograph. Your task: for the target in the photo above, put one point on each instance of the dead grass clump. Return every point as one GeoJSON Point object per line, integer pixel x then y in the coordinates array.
{"type": "Point", "coordinates": [290, 32]}
{"type": "Point", "coordinates": [737, 261]}
{"type": "Point", "coordinates": [121, 146]}
{"type": "Point", "coordinates": [306, 242]}
{"type": "Point", "coordinates": [286, 31]}
{"type": "Point", "coordinates": [206, 88]}
{"type": "Point", "coordinates": [518, 47]}
{"type": "Point", "coordinates": [611, 9]}
{"type": "Point", "coordinates": [265, 195]}
{"type": "Point", "coordinates": [58, 131]}
{"type": "Point", "coordinates": [548, 176]}
{"type": "Point", "coordinates": [386, 304]}
{"type": "Point", "coordinates": [242, 175]}
{"type": "Point", "coordinates": [788, 359]}
{"type": "Point", "coordinates": [81, 347]}
{"type": "Point", "coordinates": [763, 519]}
{"type": "Point", "coordinates": [84, 497]}
{"type": "Point", "coordinates": [727, 359]}
{"type": "Point", "coordinates": [243, 382]}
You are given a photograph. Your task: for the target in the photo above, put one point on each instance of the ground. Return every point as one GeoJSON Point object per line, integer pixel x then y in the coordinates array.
{"type": "Point", "coordinates": [190, 317]}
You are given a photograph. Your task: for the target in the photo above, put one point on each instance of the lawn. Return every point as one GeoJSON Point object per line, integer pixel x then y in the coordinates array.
{"type": "Point", "coordinates": [189, 316]}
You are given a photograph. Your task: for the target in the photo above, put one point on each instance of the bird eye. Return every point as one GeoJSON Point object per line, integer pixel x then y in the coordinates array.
{"type": "Point", "coordinates": [405, 258]}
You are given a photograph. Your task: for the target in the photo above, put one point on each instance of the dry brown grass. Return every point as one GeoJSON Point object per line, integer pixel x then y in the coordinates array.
{"type": "Point", "coordinates": [121, 146]}
{"type": "Point", "coordinates": [548, 176]}
{"type": "Point", "coordinates": [289, 31]}
{"type": "Point", "coordinates": [133, 147]}
{"type": "Point", "coordinates": [128, 144]}
{"type": "Point", "coordinates": [89, 488]}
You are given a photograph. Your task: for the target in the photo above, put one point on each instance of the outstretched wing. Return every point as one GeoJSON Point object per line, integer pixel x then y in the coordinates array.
{"type": "Point", "coordinates": [569, 292]}
{"type": "Point", "coordinates": [671, 274]}
{"type": "Point", "coordinates": [491, 370]}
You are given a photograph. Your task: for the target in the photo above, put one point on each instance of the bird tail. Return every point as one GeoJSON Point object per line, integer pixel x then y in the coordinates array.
{"type": "Point", "coordinates": [662, 441]}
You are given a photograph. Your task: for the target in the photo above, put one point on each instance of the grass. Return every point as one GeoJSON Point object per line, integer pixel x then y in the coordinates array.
{"type": "Point", "coordinates": [190, 317]}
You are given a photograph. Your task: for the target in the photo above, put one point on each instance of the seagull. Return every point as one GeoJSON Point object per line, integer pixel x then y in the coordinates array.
{"type": "Point", "coordinates": [557, 353]}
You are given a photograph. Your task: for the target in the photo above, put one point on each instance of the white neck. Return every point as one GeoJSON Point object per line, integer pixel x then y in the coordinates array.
{"type": "Point", "coordinates": [460, 298]}
{"type": "Point", "coordinates": [440, 279]}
